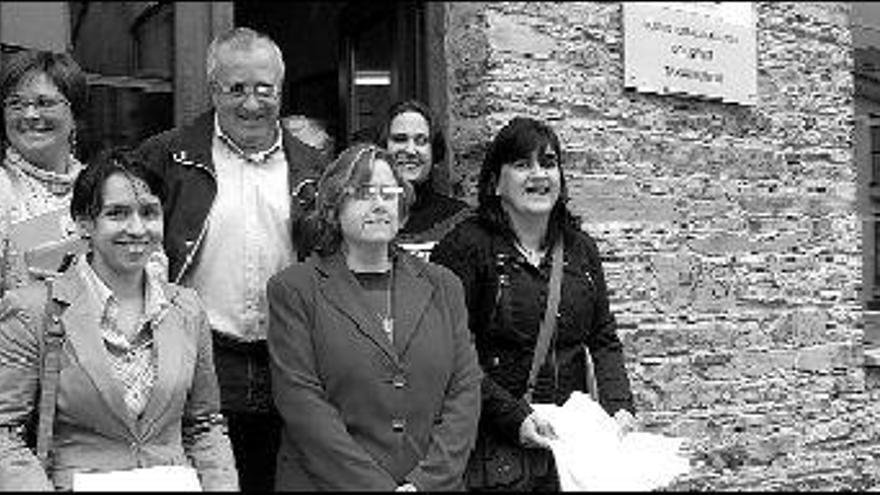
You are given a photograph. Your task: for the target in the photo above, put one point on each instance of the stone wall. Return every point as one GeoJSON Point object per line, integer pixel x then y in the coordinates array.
{"type": "Point", "coordinates": [731, 241]}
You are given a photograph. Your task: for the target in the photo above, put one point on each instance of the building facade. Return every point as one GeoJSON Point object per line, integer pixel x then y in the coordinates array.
{"type": "Point", "coordinates": [739, 240]}
{"type": "Point", "coordinates": [732, 234]}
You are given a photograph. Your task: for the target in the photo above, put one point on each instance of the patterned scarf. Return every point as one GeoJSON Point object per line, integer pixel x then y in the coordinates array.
{"type": "Point", "coordinates": [56, 183]}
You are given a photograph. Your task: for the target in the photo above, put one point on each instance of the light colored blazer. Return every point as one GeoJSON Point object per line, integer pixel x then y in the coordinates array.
{"type": "Point", "coordinates": [93, 429]}
{"type": "Point", "coordinates": [361, 413]}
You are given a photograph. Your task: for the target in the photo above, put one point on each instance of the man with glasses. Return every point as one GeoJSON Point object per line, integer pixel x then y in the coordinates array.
{"type": "Point", "coordinates": [233, 176]}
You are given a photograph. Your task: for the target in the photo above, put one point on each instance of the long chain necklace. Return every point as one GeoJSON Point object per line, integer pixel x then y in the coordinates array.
{"type": "Point", "coordinates": [388, 319]}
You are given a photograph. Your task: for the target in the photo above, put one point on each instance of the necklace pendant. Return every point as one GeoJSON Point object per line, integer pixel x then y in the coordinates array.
{"type": "Point", "coordinates": [388, 326]}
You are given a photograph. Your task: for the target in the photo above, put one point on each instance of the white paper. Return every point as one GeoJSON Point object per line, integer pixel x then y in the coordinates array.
{"type": "Point", "coordinates": [153, 479]}
{"type": "Point", "coordinates": [591, 455]}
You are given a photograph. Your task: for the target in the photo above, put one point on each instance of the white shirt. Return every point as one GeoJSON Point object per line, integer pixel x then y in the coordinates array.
{"type": "Point", "coordinates": [247, 239]}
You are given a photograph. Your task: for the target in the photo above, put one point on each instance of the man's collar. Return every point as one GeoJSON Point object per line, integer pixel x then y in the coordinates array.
{"type": "Point", "coordinates": [258, 157]}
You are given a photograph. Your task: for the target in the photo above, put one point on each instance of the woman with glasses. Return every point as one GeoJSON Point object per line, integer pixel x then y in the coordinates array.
{"type": "Point", "coordinates": [373, 369]}
{"type": "Point", "coordinates": [136, 386]}
{"type": "Point", "coordinates": [504, 259]}
{"type": "Point", "coordinates": [43, 95]}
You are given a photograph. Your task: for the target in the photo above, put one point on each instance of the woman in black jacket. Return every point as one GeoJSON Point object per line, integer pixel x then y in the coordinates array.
{"type": "Point", "coordinates": [502, 256]}
{"type": "Point", "coordinates": [412, 135]}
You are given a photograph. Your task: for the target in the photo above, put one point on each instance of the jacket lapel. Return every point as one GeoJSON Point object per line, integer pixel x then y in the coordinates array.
{"type": "Point", "coordinates": [81, 328]}
{"type": "Point", "coordinates": [412, 293]}
{"type": "Point", "coordinates": [340, 288]}
{"type": "Point", "coordinates": [167, 334]}
{"type": "Point", "coordinates": [196, 143]}
{"type": "Point", "coordinates": [411, 296]}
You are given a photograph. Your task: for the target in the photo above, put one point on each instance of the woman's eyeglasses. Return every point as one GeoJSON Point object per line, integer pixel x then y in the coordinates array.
{"type": "Point", "coordinates": [42, 103]}
{"type": "Point", "coordinates": [367, 192]}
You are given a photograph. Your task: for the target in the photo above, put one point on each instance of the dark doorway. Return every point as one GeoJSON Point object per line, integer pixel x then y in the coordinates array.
{"type": "Point", "coordinates": [345, 61]}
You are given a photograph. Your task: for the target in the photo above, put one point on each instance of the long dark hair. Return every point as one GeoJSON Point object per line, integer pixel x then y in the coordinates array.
{"type": "Point", "coordinates": [518, 139]}
{"type": "Point", "coordinates": [438, 142]}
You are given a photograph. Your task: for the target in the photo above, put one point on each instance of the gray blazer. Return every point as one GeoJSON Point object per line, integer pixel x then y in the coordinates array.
{"type": "Point", "coordinates": [93, 429]}
{"type": "Point", "coordinates": [361, 413]}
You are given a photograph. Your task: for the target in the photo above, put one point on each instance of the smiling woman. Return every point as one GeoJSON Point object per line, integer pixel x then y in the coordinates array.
{"type": "Point", "coordinates": [508, 258]}
{"type": "Point", "coordinates": [43, 94]}
{"type": "Point", "coordinates": [137, 387]}
{"type": "Point", "coordinates": [119, 211]}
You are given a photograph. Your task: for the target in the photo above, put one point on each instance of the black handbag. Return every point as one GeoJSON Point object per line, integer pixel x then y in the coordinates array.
{"type": "Point", "coordinates": [499, 464]}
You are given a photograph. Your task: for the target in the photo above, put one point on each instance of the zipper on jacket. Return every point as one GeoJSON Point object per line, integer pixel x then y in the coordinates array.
{"type": "Point", "coordinates": [192, 251]}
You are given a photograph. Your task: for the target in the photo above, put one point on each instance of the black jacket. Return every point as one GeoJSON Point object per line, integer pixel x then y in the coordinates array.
{"type": "Point", "coordinates": [183, 158]}
{"type": "Point", "coordinates": [432, 215]}
{"type": "Point", "coordinates": [506, 332]}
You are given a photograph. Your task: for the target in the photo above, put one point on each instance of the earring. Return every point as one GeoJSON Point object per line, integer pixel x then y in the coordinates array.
{"type": "Point", "coordinates": [71, 138]}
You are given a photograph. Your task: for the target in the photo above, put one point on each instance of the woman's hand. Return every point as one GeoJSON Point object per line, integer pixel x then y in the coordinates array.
{"type": "Point", "coordinates": [626, 422]}
{"type": "Point", "coordinates": [406, 487]}
{"type": "Point", "coordinates": [536, 432]}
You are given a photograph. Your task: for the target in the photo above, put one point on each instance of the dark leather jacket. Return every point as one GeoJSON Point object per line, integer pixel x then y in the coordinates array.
{"type": "Point", "coordinates": [505, 322]}
{"type": "Point", "coordinates": [182, 156]}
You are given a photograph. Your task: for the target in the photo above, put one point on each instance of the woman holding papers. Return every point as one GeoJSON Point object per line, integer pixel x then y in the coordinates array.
{"type": "Point", "coordinates": [43, 95]}
{"type": "Point", "coordinates": [136, 385]}
{"type": "Point", "coordinates": [373, 368]}
{"type": "Point", "coordinates": [504, 257]}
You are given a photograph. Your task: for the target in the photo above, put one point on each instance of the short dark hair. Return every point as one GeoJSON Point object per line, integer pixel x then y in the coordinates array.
{"type": "Point", "coordinates": [353, 167]}
{"type": "Point", "coordinates": [61, 69]}
{"type": "Point", "coordinates": [438, 142]}
{"type": "Point", "coordinates": [515, 141]}
{"type": "Point", "coordinates": [88, 188]}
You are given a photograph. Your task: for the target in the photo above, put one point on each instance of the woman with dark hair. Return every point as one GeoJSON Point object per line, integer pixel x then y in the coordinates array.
{"type": "Point", "coordinates": [373, 368]}
{"type": "Point", "coordinates": [503, 257]}
{"type": "Point", "coordinates": [43, 95]}
{"type": "Point", "coordinates": [414, 138]}
{"type": "Point", "coordinates": [135, 384]}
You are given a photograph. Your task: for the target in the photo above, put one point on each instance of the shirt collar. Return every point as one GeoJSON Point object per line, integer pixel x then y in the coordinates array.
{"type": "Point", "coordinates": [258, 157]}
{"type": "Point", "coordinates": [155, 301]}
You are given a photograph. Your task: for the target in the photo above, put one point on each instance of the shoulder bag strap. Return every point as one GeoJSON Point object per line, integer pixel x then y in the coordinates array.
{"type": "Point", "coordinates": [548, 325]}
{"type": "Point", "coordinates": [53, 338]}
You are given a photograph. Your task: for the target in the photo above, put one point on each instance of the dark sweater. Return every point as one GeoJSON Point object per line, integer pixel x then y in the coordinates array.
{"type": "Point", "coordinates": [431, 215]}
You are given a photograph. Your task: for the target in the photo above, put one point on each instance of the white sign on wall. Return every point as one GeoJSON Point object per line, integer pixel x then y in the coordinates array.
{"type": "Point", "coordinates": [705, 49]}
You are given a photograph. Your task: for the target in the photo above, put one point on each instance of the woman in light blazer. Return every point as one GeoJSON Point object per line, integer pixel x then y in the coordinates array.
{"type": "Point", "coordinates": [137, 386]}
{"type": "Point", "coordinates": [373, 368]}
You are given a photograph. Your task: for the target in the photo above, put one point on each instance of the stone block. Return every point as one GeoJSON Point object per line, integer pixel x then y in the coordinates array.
{"type": "Point", "coordinates": [823, 358]}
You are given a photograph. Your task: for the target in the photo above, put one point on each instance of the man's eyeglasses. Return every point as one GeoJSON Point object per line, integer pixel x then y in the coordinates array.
{"type": "Point", "coordinates": [240, 91]}
{"type": "Point", "coordinates": [547, 162]}
{"type": "Point", "coordinates": [41, 103]}
{"type": "Point", "coordinates": [367, 192]}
